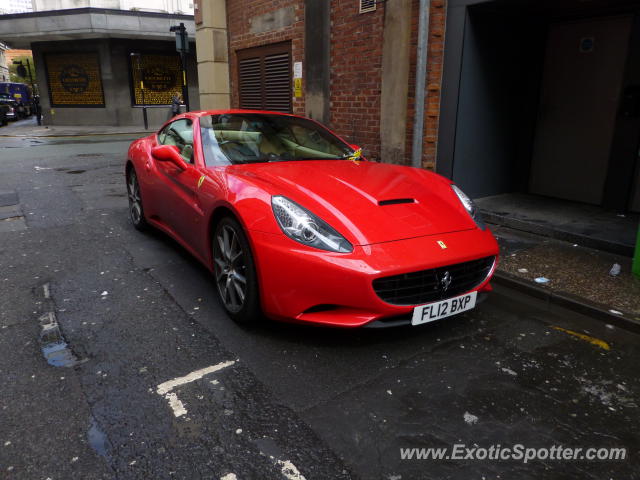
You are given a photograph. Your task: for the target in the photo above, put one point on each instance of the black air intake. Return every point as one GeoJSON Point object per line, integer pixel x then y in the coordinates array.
{"type": "Point", "coordinates": [426, 286]}
{"type": "Point", "coordinates": [396, 201]}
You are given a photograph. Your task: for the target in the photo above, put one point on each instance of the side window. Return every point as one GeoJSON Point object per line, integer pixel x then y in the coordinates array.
{"type": "Point", "coordinates": [180, 134]}
{"type": "Point", "coordinates": [163, 134]}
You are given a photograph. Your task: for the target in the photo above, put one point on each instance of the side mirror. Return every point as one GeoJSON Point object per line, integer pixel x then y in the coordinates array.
{"type": "Point", "coordinates": [169, 153]}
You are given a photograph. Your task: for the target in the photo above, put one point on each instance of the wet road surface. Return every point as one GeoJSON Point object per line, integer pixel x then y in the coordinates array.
{"type": "Point", "coordinates": [158, 383]}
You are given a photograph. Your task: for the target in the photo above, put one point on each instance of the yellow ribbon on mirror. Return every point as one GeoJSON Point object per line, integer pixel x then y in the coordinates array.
{"type": "Point", "coordinates": [357, 155]}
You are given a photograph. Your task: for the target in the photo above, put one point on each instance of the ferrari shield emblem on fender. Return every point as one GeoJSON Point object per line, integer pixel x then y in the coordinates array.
{"type": "Point", "coordinates": [201, 180]}
{"type": "Point", "coordinates": [442, 244]}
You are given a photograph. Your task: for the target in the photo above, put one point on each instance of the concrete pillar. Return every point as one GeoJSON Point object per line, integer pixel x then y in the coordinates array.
{"type": "Point", "coordinates": [111, 88]}
{"type": "Point", "coordinates": [395, 80]}
{"type": "Point", "coordinates": [213, 55]}
{"type": "Point", "coordinates": [43, 85]}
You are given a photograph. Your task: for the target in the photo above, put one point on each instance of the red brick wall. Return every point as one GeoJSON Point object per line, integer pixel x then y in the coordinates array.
{"type": "Point", "coordinates": [238, 14]}
{"type": "Point", "coordinates": [356, 60]}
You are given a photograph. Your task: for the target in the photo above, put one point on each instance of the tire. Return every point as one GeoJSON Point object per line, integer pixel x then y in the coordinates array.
{"type": "Point", "coordinates": [136, 210]}
{"type": "Point", "coordinates": [234, 272]}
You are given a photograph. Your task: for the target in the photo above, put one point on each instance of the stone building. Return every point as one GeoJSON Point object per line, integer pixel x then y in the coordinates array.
{"type": "Point", "coordinates": [101, 66]}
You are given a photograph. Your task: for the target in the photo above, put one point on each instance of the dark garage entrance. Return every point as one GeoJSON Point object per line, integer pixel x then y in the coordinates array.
{"type": "Point", "coordinates": [543, 98]}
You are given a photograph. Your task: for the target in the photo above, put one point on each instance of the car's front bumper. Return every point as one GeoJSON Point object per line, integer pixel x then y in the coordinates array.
{"type": "Point", "coordinates": [306, 285]}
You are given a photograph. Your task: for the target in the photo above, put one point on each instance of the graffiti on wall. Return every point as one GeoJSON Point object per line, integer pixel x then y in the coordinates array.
{"type": "Point", "coordinates": [74, 79]}
{"type": "Point", "coordinates": [158, 77]}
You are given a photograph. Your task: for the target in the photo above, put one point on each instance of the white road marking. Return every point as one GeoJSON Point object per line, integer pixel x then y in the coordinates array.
{"type": "Point", "coordinates": [47, 293]}
{"type": "Point", "coordinates": [169, 385]}
{"type": "Point", "coordinates": [176, 405]}
{"type": "Point", "coordinates": [174, 402]}
{"type": "Point", "coordinates": [289, 470]}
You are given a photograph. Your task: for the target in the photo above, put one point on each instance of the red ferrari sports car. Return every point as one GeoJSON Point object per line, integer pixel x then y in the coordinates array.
{"type": "Point", "coordinates": [294, 223]}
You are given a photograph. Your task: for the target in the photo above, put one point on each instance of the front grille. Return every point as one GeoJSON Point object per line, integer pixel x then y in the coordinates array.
{"type": "Point", "coordinates": [427, 286]}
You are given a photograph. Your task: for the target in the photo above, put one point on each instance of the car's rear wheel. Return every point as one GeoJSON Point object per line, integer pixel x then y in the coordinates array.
{"type": "Point", "coordinates": [235, 272]}
{"type": "Point", "coordinates": [136, 211]}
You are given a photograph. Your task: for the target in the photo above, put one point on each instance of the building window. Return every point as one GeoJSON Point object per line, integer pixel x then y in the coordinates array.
{"type": "Point", "coordinates": [160, 75]}
{"type": "Point", "coordinates": [264, 77]}
{"type": "Point", "coordinates": [74, 79]}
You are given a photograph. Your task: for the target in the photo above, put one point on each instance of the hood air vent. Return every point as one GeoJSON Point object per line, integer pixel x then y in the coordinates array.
{"type": "Point", "coordinates": [396, 201]}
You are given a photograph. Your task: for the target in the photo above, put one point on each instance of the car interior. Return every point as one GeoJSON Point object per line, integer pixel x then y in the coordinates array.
{"type": "Point", "coordinates": [180, 134]}
{"type": "Point", "coordinates": [239, 139]}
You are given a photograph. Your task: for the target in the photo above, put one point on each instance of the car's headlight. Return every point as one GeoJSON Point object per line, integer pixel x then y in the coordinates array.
{"type": "Point", "coordinates": [303, 226]}
{"type": "Point", "coordinates": [470, 207]}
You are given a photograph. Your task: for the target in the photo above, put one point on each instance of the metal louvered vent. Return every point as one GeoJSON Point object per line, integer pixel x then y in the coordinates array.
{"type": "Point", "coordinates": [250, 84]}
{"type": "Point", "coordinates": [277, 82]}
{"type": "Point", "coordinates": [367, 6]}
{"type": "Point", "coordinates": [264, 75]}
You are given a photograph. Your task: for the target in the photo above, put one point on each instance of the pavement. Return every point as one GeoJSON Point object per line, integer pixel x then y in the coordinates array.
{"type": "Point", "coordinates": [570, 274]}
{"type": "Point", "coordinates": [29, 128]}
{"type": "Point", "coordinates": [118, 361]}
{"type": "Point", "coordinates": [588, 226]}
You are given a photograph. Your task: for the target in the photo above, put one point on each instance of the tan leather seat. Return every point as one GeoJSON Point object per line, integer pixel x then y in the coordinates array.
{"type": "Point", "coordinates": [267, 147]}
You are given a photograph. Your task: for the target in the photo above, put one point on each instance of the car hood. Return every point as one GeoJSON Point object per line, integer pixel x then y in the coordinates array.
{"type": "Point", "coordinates": [367, 202]}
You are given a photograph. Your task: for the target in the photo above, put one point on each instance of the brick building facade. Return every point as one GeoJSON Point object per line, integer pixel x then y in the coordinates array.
{"type": "Point", "coordinates": [356, 61]}
{"type": "Point", "coordinates": [355, 64]}
{"type": "Point", "coordinates": [488, 123]}
{"type": "Point", "coordinates": [239, 15]}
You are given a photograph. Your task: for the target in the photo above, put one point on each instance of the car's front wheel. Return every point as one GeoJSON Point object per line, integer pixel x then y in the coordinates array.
{"type": "Point", "coordinates": [136, 211]}
{"type": "Point", "coordinates": [235, 272]}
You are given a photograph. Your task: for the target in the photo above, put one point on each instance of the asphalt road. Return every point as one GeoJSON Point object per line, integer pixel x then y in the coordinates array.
{"type": "Point", "coordinates": [140, 322]}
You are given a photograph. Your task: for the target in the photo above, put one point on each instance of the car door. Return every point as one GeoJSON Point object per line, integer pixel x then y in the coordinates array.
{"type": "Point", "coordinates": [179, 200]}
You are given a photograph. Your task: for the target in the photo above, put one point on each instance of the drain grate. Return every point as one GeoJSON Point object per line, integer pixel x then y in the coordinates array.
{"type": "Point", "coordinates": [54, 347]}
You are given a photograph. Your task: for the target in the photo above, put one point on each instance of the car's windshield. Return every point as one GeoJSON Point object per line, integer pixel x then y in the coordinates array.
{"type": "Point", "coordinates": [251, 137]}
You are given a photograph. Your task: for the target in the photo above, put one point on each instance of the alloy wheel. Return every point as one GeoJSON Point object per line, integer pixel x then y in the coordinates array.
{"type": "Point", "coordinates": [230, 269]}
{"type": "Point", "coordinates": [135, 203]}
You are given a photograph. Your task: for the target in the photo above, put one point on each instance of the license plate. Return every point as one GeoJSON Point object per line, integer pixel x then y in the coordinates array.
{"type": "Point", "coordinates": [451, 306]}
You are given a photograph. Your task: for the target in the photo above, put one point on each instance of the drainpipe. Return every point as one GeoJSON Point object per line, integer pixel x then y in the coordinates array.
{"type": "Point", "coordinates": [421, 81]}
